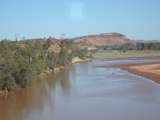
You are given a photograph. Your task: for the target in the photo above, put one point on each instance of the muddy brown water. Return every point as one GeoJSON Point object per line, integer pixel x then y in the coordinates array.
{"type": "Point", "coordinates": [86, 92]}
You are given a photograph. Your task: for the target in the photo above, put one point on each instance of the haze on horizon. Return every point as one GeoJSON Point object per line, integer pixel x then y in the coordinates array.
{"type": "Point", "coordinates": [138, 19]}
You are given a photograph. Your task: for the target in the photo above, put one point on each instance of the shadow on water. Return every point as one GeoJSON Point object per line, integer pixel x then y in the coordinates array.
{"type": "Point", "coordinates": [16, 104]}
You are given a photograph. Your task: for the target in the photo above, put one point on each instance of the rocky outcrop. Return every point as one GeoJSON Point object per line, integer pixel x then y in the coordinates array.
{"type": "Point", "coordinates": [55, 45]}
{"type": "Point", "coordinates": [105, 39]}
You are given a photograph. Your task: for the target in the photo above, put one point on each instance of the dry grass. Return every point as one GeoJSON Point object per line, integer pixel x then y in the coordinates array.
{"type": "Point", "coordinates": [113, 54]}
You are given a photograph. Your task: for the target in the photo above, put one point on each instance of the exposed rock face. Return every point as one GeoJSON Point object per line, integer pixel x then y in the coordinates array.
{"type": "Point", "coordinates": [55, 45]}
{"type": "Point", "coordinates": [106, 39]}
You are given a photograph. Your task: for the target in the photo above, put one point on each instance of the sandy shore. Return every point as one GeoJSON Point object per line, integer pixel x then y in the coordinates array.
{"type": "Point", "coordinates": [148, 70]}
{"type": "Point", "coordinates": [79, 60]}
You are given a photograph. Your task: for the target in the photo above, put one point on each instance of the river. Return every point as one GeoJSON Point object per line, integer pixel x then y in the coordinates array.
{"type": "Point", "coordinates": [86, 92]}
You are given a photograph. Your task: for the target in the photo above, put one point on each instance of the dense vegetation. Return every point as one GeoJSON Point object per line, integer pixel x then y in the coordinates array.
{"type": "Point", "coordinates": [138, 46]}
{"type": "Point", "coordinates": [21, 60]}
{"type": "Point", "coordinates": [141, 46]}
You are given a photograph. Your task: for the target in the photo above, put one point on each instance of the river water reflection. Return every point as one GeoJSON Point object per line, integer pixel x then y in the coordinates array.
{"type": "Point", "coordinates": [86, 92]}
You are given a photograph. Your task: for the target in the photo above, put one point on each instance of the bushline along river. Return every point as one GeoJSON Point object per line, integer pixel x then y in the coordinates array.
{"type": "Point", "coordinates": [86, 92]}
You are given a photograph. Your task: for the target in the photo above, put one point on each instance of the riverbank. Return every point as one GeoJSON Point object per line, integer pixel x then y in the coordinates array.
{"type": "Point", "coordinates": [75, 60]}
{"type": "Point", "coordinates": [80, 60]}
{"type": "Point", "coordinates": [48, 71]}
{"type": "Point", "coordinates": [147, 70]}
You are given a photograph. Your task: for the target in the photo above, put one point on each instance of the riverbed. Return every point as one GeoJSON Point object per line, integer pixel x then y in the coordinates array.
{"type": "Point", "coordinates": [86, 92]}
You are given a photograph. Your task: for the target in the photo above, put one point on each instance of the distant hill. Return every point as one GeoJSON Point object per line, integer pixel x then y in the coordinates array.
{"type": "Point", "coordinates": [105, 39]}
{"type": "Point", "coordinates": [92, 42]}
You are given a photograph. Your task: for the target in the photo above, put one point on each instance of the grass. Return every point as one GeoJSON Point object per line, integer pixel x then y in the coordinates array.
{"type": "Point", "coordinates": [114, 54]}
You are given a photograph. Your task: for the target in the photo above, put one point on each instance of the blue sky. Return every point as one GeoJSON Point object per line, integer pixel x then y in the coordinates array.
{"type": "Point", "coordinates": [138, 19]}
